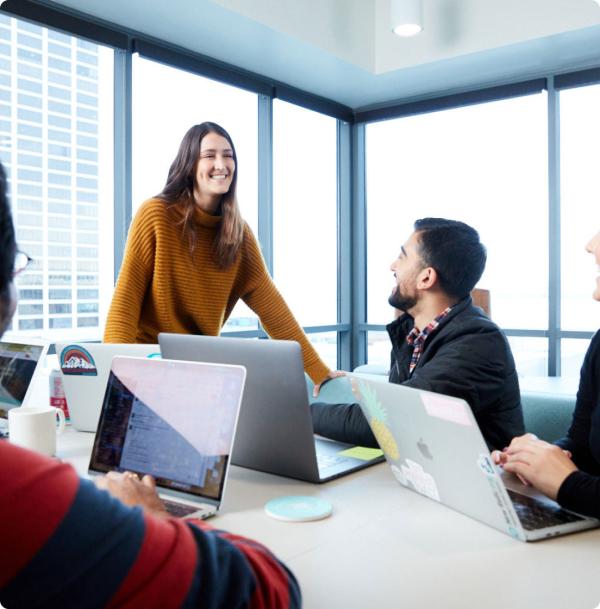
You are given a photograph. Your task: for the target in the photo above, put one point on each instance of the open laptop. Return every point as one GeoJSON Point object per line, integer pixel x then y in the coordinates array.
{"type": "Point", "coordinates": [20, 362]}
{"type": "Point", "coordinates": [434, 446]}
{"type": "Point", "coordinates": [275, 433]}
{"type": "Point", "coordinates": [174, 420]}
{"type": "Point", "coordinates": [85, 368]}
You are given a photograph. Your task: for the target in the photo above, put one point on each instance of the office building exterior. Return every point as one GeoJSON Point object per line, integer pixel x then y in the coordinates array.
{"type": "Point", "coordinates": [49, 132]}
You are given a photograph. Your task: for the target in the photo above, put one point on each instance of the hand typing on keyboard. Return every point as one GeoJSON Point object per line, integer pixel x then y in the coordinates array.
{"type": "Point", "coordinates": [536, 462]}
{"type": "Point", "coordinates": [127, 487]}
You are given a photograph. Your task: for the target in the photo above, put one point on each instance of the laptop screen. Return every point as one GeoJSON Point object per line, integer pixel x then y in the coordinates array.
{"type": "Point", "coordinates": [18, 362]}
{"type": "Point", "coordinates": [174, 420]}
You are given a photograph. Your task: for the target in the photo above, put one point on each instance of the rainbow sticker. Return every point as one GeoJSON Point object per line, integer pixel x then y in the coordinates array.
{"type": "Point", "coordinates": [74, 359]}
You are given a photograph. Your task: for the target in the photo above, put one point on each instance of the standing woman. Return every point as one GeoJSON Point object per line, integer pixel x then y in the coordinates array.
{"type": "Point", "coordinates": [568, 471]}
{"type": "Point", "coordinates": [190, 257]}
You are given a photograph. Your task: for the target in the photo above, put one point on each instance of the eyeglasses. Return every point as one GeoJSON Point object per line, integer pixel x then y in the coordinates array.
{"type": "Point", "coordinates": [22, 261]}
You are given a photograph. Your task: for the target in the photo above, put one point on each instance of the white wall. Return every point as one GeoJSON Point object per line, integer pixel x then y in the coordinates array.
{"type": "Point", "coordinates": [344, 28]}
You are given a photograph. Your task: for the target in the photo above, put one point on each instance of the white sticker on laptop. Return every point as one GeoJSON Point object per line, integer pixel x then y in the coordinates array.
{"type": "Point", "coordinates": [419, 479]}
{"type": "Point", "coordinates": [399, 475]}
{"type": "Point", "coordinates": [485, 464]}
{"type": "Point", "coordinates": [445, 408]}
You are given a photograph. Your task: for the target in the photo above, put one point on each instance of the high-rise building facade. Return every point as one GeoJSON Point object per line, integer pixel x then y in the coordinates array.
{"type": "Point", "coordinates": [49, 145]}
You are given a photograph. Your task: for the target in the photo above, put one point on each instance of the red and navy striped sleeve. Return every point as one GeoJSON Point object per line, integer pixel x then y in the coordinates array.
{"type": "Point", "coordinates": [67, 544]}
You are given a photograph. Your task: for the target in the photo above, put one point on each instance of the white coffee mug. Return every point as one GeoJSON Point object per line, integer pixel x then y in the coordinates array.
{"type": "Point", "coordinates": [34, 427]}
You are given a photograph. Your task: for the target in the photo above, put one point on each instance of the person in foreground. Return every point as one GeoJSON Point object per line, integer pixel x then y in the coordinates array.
{"type": "Point", "coordinates": [441, 343]}
{"type": "Point", "coordinates": [190, 257]}
{"type": "Point", "coordinates": [569, 470]}
{"type": "Point", "coordinates": [67, 543]}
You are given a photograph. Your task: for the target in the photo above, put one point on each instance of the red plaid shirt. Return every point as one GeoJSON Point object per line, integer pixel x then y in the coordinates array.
{"type": "Point", "coordinates": [417, 339]}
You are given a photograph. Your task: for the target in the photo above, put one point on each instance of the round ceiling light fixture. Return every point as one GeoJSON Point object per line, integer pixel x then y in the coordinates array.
{"type": "Point", "coordinates": [407, 17]}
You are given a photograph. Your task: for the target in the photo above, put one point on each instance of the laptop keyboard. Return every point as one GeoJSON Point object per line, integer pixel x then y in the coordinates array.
{"type": "Point", "coordinates": [535, 514]}
{"type": "Point", "coordinates": [180, 510]}
{"type": "Point", "coordinates": [325, 461]}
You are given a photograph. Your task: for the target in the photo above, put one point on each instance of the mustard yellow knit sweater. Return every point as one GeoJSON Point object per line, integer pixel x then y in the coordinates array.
{"type": "Point", "coordinates": [162, 288]}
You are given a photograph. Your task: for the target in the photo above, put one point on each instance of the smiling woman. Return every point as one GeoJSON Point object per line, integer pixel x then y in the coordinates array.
{"type": "Point", "coordinates": [190, 257]}
{"type": "Point", "coordinates": [203, 176]}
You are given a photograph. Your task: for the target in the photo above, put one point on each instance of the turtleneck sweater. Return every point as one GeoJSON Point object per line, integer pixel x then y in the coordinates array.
{"type": "Point", "coordinates": [162, 287]}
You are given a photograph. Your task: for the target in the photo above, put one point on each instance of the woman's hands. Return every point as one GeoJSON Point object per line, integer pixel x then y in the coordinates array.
{"type": "Point", "coordinates": [536, 462]}
{"type": "Point", "coordinates": [332, 375]}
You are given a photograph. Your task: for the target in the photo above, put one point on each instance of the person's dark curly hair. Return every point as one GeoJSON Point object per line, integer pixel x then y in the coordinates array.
{"type": "Point", "coordinates": [8, 245]}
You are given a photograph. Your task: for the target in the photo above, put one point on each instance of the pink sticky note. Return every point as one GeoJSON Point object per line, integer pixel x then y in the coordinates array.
{"type": "Point", "coordinates": [446, 408]}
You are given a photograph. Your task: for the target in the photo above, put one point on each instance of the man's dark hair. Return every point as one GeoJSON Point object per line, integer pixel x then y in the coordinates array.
{"type": "Point", "coordinates": [454, 250]}
{"type": "Point", "coordinates": [8, 246]}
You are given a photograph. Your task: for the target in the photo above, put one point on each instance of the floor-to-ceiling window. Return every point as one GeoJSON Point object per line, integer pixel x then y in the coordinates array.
{"type": "Point", "coordinates": [56, 128]}
{"type": "Point", "coordinates": [486, 165]}
{"type": "Point", "coordinates": [512, 168]}
{"type": "Point", "coordinates": [305, 219]}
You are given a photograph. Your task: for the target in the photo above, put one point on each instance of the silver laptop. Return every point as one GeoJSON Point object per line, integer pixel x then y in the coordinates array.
{"type": "Point", "coordinates": [174, 420]}
{"type": "Point", "coordinates": [434, 446]}
{"type": "Point", "coordinates": [85, 368]}
{"type": "Point", "coordinates": [20, 362]}
{"type": "Point", "coordinates": [275, 433]}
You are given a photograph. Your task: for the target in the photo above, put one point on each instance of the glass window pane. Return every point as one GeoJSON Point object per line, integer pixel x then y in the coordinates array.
{"type": "Point", "coordinates": [572, 352]}
{"type": "Point", "coordinates": [305, 212]}
{"type": "Point", "coordinates": [485, 165]}
{"type": "Point", "coordinates": [379, 348]}
{"type": "Point", "coordinates": [37, 187]}
{"type": "Point", "coordinates": [580, 201]}
{"type": "Point", "coordinates": [325, 344]}
{"type": "Point", "coordinates": [531, 355]}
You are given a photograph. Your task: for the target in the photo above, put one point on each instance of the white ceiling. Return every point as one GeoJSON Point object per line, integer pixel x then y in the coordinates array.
{"type": "Point", "coordinates": [345, 51]}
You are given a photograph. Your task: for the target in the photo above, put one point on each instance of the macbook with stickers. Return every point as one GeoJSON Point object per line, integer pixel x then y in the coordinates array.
{"type": "Point", "coordinates": [434, 447]}
{"type": "Point", "coordinates": [20, 362]}
{"type": "Point", "coordinates": [85, 368]}
{"type": "Point", "coordinates": [275, 433]}
{"type": "Point", "coordinates": [175, 421]}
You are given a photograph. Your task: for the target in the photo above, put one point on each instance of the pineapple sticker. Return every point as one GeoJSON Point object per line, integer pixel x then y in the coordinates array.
{"type": "Point", "coordinates": [377, 419]}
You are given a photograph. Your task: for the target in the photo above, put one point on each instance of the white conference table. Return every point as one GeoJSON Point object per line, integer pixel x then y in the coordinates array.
{"type": "Point", "coordinates": [385, 547]}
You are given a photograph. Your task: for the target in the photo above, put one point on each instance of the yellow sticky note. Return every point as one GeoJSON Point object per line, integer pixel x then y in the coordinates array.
{"type": "Point", "coordinates": [362, 453]}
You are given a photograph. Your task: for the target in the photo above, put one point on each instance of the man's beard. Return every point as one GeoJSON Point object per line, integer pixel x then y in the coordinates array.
{"type": "Point", "coordinates": [404, 302]}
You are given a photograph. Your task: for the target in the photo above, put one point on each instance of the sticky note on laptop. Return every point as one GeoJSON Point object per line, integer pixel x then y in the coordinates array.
{"type": "Point", "coordinates": [361, 452]}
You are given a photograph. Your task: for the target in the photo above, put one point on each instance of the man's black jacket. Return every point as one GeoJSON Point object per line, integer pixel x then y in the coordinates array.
{"type": "Point", "coordinates": [467, 357]}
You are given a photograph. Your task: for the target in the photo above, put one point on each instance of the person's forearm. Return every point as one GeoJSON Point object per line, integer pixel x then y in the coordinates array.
{"type": "Point", "coordinates": [243, 572]}
{"type": "Point", "coordinates": [343, 423]}
{"type": "Point", "coordinates": [580, 492]}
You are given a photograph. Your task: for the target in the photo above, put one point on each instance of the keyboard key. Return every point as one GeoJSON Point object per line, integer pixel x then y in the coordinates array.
{"type": "Point", "coordinates": [180, 510]}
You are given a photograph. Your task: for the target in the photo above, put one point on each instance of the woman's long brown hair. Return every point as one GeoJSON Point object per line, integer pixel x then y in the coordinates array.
{"type": "Point", "coordinates": [179, 192]}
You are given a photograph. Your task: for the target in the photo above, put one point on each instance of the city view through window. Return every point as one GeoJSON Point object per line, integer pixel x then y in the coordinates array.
{"type": "Point", "coordinates": [56, 145]}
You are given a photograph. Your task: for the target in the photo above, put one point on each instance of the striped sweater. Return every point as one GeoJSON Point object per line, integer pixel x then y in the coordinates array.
{"type": "Point", "coordinates": [163, 288]}
{"type": "Point", "coordinates": [66, 544]}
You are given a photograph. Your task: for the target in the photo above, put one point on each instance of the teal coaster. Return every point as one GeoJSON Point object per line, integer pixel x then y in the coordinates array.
{"type": "Point", "coordinates": [298, 508]}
